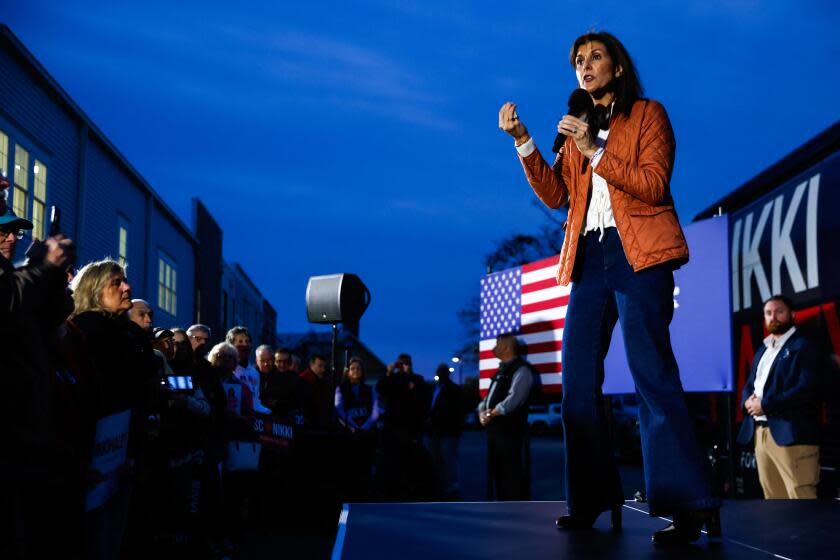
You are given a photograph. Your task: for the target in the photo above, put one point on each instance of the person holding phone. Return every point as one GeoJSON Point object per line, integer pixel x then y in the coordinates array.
{"type": "Point", "coordinates": [41, 467]}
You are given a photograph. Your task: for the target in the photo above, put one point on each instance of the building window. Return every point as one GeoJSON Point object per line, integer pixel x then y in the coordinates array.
{"type": "Point", "coordinates": [123, 247]}
{"type": "Point", "coordinates": [4, 154]}
{"type": "Point", "coordinates": [21, 188]}
{"type": "Point", "coordinates": [167, 286]}
{"type": "Point", "coordinates": [39, 200]}
{"type": "Point", "coordinates": [28, 195]}
{"type": "Point", "coordinates": [122, 241]}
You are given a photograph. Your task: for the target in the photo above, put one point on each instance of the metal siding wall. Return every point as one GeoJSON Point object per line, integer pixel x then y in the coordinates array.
{"type": "Point", "coordinates": [110, 190]}
{"type": "Point", "coordinates": [209, 266]}
{"type": "Point", "coordinates": [42, 121]}
{"type": "Point", "coordinates": [179, 249]}
{"type": "Point", "coordinates": [248, 308]}
{"type": "Point", "coordinates": [229, 285]}
{"type": "Point", "coordinates": [31, 114]}
{"type": "Point", "coordinates": [229, 289]}
{"type": "Point", "coordinates": [36, 116]}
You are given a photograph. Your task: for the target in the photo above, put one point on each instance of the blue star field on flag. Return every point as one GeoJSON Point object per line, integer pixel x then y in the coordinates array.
{"type": "Point", "coordinates": [501, 303]}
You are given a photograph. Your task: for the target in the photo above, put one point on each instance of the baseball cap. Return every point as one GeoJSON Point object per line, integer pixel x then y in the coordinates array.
{"type": "Point", "coordinates": [10, 221]}
{"type": "Point", "coordinates": [160, 333]}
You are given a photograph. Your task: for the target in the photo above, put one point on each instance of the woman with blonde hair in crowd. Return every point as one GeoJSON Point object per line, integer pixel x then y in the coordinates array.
{"type": "Point", "coordinates": [121, 353]}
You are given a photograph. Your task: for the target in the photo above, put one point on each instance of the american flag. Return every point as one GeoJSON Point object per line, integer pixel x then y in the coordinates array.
{"type": "Point", "coordinates": [528, 302]}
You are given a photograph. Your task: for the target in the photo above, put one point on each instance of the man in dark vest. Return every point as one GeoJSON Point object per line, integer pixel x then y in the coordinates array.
{"type": "Point", "coordinates": [504, 412]}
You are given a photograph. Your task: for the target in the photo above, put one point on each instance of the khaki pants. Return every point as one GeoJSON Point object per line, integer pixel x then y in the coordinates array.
{"type": "Point", "coordinates": [786, 471]}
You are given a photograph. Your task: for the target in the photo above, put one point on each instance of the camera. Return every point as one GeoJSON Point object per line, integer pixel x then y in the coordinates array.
{"type": "Point", "coordinates": [179, 383]}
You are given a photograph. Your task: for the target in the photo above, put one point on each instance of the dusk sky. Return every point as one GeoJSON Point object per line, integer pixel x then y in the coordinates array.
{"type": "Point", "coordinates": [362, 136]}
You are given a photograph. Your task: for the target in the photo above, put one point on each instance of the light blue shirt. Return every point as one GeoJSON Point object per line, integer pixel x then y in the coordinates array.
{"type": "Point", "coordinates": [520, 388]}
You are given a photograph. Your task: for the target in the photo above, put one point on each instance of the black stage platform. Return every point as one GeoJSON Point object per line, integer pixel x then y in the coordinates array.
{"type": "Point", "coordinates": [525, 530]}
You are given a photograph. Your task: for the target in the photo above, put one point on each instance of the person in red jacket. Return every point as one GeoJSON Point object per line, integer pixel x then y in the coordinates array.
{"type": "Point", "coordinates": [623, 240]}
{"type": "Point", "coordinates": [316, 393]}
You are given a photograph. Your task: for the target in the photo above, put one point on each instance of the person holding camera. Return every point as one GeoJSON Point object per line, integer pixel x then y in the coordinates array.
{"type": "Point", "coordinates": [404, 398]}
{"type": "Point", "coordinates": [405, 467]}
{"type": "Point", "coordinates": [40, 471]}
{"type": "Point", "coordinates": [176, 458]}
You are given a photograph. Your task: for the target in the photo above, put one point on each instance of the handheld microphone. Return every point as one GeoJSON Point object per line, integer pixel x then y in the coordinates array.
{"type": "Point", "coordinates": [580, 106]}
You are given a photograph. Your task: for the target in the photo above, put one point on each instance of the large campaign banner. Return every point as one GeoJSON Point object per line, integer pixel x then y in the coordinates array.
{"type": "Point", "coordinates": [786, 243]}
{"type": "Point", "coordinates": [526, 300]}
{"type": "Point", "coordinates": [700, 329]}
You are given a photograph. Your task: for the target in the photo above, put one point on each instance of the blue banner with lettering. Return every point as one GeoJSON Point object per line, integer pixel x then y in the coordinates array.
{"type": "Point", "coordinates": [701, 328]}
{"type": "Point", "coordinates": [784, 243]}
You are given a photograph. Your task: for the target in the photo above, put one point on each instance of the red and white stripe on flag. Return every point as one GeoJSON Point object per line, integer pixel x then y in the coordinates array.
{"type": "Point", "coordinates": [543, 311]}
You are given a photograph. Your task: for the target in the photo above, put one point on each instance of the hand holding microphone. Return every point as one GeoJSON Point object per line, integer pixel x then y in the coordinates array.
{"type": "Point", "coordinates": [574, 124]}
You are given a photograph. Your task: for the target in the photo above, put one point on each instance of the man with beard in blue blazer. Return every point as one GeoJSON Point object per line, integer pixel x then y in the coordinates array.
{"type": "Point", "coordinates": [782, 404]}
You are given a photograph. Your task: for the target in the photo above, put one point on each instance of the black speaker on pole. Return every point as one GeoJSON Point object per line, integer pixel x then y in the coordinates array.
{"type": "Point", "coordinates": [336, 298]}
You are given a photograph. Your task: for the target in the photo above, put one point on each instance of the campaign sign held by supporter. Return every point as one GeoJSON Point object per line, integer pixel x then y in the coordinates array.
{"type": "Point", "coordinates": [233, 392]}
{"type": "Point", "coordinates": [110, 449]}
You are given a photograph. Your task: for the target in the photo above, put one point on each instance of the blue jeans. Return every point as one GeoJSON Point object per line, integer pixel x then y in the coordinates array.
{"type": "Point", "coordinates": [607, 289]}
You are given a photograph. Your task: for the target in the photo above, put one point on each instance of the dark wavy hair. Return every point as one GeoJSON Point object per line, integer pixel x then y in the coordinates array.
{"type": "Point", "coordinates": [628, 87]}
{"type": "Point", "coordinates": [345, 378]}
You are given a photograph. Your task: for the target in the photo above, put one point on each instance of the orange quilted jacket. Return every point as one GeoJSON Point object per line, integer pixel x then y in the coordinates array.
{"type": "Point", "coordinates": [636, 163]}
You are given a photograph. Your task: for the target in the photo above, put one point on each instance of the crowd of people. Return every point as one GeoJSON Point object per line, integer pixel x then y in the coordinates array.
{"type": "Point", "coordinates": [125, 438]}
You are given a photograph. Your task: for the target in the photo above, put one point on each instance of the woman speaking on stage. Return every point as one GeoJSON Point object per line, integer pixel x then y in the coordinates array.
{"type": "Point", "coordinates": [623, 241]}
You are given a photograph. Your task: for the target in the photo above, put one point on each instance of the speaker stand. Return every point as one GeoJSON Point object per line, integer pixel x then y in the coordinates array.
{"type": "Point", "coordinates": [333, 376]}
